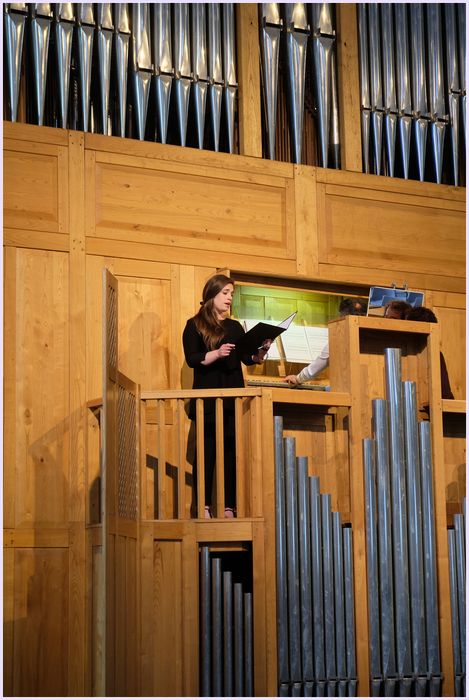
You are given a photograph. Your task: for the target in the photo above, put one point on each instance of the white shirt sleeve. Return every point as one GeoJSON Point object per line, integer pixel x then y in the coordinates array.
{"type": "Point", "coordinates": [316, 366]}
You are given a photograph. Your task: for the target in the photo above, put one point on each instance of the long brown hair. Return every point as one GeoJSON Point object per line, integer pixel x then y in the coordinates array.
{"type": "Point", "coordinates": [205, 319]}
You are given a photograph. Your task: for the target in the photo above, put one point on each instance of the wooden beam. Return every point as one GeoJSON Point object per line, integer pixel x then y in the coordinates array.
{"type": "Point", "coordinates": [348, 87]}
{"type": "Point", "coordinates": [249, 92]}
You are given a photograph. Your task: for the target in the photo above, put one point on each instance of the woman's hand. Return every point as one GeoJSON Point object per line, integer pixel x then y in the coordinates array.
{"type": "Point", "coordinates": [292, 379]}
{"type": "Point", "coordinates": [225, 350]}
{"type": "Point", "coordinates": [262, 351]}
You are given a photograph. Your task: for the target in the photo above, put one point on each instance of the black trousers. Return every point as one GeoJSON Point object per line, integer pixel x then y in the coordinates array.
{"type": "Point", "coordinates": [229, 450]}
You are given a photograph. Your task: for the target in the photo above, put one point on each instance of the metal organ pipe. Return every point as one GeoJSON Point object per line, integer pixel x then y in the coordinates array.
{"type": "Point", "coordinates": [104, 30]}
{"type": "Point", "coordinates": [162, 65]}
{"type": "Point", "coordinates": [121, 43]}
{"type": "Point", "coordinates": [182, 66]}
{"type": "Point", "coordinates": [229, 71]}
{"type": "Point", "coordinates": [40, 26]}
{"type": "Point", "coordinates": [14, 20]}
{"type": "Point", "coordinates": [200, 69]}
{"type": "Point", "coordinates": [297, 32]}
{"type": "Point", "coordinates": [271, 25]}
{"type": "Point", "coordinates": [215, 70]}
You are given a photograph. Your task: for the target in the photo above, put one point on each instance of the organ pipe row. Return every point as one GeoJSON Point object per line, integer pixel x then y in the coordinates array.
{"type": "Point", "coordinates": [135, 68]}
{"type": "Point", "coordinates": [457, 577]}
{"type": "Point", "coordinates": [401, 548]}
{"type": "Point", "coordinates": [226, 632]}
{"type": "Point", "coordinates": [412, 88]}
{"type": "Point", "coordinates": [286, 27]}
{"type": "Point", "coordinates": [315, 598]}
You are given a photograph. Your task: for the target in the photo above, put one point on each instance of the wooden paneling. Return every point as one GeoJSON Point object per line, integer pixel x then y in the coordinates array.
{"type": "Point", "coordinates": [249, 92]}
{"type": "Point", "coordinates": [349, 87]}
{"type": "Point", "coordinates": [140, 200]}
{"type": "Point", "coordinates": [396, 232]}
{"type": "Point", "coordinates": [36, 388]}
{"type": "Point", "coordinates": [168, 618]}
{"type": "Point", "coordinates": [40, 622]}
{"type": "Point", "coordinates": [452, 324]}
{"type": "Point", "coordinates": [144, 322]}
{"type": "Point", "coordinates": [35, 186]}
{"type": "Point", "coordinates": [306, 221]}
{"type": "Point", "coordinates": [454, 438]}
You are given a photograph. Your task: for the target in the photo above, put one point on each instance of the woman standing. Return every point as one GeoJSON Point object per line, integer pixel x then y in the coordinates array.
{"type": "Point", "coordinates": [209, 340]}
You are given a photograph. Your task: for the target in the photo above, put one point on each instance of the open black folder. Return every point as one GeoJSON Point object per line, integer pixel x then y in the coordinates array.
{"type": "Point", "coordinates": [253, 339]}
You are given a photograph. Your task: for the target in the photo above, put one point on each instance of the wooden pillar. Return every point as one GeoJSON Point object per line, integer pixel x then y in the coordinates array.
{"type": "Point", "coordinates": [76, 669]}
{"type": "Point", "coordinates": [348, 87]}
{"type": "Point", "coordinates": [249, 94]}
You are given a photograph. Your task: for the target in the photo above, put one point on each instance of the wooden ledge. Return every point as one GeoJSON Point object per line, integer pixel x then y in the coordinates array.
{"type": "Point", "coordinates": [454, 405]}
{"type": "Point", "coordinates": [311, 398]}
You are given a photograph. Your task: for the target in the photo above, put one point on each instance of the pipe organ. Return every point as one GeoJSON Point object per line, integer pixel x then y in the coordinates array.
{"type": "Point", "coordinates": [315, 587]}
{"type": "Point", "coordinates": [401, 545]}
{"type": "Point", "coordinates": [167, 72]}
{"type": "Point", "coordinates": [413, 90]}
{"type": "Point", "coordinates": [156, 71]}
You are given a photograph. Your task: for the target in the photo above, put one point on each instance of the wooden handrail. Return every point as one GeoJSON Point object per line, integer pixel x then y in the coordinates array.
{"type": "Point", "coordinates": [197, 393]}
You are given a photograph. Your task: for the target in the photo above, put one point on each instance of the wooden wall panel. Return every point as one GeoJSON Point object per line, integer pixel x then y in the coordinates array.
{"type": "Point", "coordinates": [40, 622]}
{"type": "Point", "coordinates": [452, 324]}
{"type": "Point", "coordinates": [145, 322]}
{"type": "Point", "coordinates": [454, 432]}
{"type": "Point", "coordinates": [168, 610]}
{"type": "Point", "coordinates": [137, 199]}
{"type": "Point", "coordinates": [392, 231]}
{"type": "Point", "coordinates": [35, 186]}
{"type": "Point", "coordinates": [36, 388]}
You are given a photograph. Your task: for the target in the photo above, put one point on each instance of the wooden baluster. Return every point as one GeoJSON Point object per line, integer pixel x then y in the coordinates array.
{"type": "Point", "coordinates": [199, 422]}
{"type": "Point", "coordinates": [181, 472]}
{"type": "Point", "coordinates": [161, 459]}
{"type": "Point", "coordinates": [220, 459]}
{"type": "Point", "coordinates": [240, 461]}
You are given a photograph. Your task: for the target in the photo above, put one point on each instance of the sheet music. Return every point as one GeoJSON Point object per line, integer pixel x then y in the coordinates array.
{"type": "Point", "coordinates": [317, 337]}
{"type": "Point", "coordinates": [296, 346]}
{"type": "Point", "coordinates": [249, 323]}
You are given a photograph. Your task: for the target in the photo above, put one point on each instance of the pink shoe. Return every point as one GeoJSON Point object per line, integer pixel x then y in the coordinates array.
{"type": "Point", "coordinates": [207, 513]}
{"type": "Point", "coordinates": [229, 513]}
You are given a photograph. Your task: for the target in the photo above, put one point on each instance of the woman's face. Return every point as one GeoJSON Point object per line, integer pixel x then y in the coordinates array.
{"type": "Point", "coordinates": [222, 301]}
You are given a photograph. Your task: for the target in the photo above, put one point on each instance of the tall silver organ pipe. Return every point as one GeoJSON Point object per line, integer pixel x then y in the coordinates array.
{"type": "Point", "coordinates": [85, 35]}
{"type": "Point", "coordinates": [229, 71]}
{"type": "Point", "coordinates": [40, 26]}
{"type": "Point", "coordinates": [104, 31]}
{"type": "Point", "coordinates": [162, 65]}
{"type": "Point", "coordinates": [323, 39]}
{"type": "Point", "coordinates": [215, 71]}
{"type": "Point", "coordinates": [62, 34]}
{"type": "Point", "coordinates": [200, 68]}
{"type": "Point", "coordinates": [182, 66]}
{"type": "Point", "coordinates": [14, 21]}
{"type": "Point", "coordinates": [365, 97]}
{"type": "Point", "coordinates": [297, 32]}
{"type": "Point", "coordinates": [271, 25]}
{"type": "Point", "coordinates": [121, 50]}
{"type": "Point", "coordinates": [403, 85]}
{"type": "Point", "coordinates": [140, 64]}
{"type": "Point", "coordinates": [416, 50]}
{"type": "Point", "coordinates": [389, 85]}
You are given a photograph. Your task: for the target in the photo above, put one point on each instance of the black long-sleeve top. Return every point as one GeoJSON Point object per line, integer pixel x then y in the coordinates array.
{"type": "Point", "coordinates": [225, 373]}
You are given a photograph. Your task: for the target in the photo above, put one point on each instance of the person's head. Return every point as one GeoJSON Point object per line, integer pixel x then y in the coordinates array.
{"type": "Point", "coordinates": [396, 309]}
{"type": "Point", "coordinates": [421, 313]}
{"type": "Point", "coordinates": [217, 296]}
{"type": "Point", "coordinates": [353, 306]}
